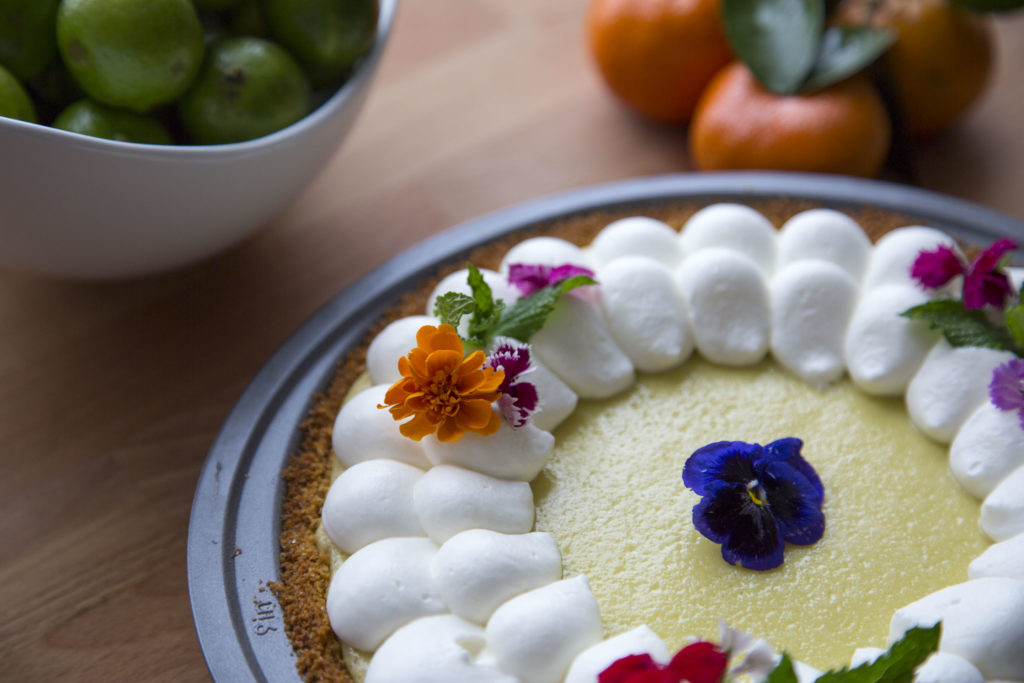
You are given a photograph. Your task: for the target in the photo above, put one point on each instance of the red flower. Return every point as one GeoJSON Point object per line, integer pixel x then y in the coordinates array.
{"type": "Point", "coordinates": [986, 284]}
{"type": "Point", "coordinates": [700, 662]}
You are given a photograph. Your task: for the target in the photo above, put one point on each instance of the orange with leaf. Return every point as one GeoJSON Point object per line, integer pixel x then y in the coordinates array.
{"type": "Point", "coordinates": [939, 62]}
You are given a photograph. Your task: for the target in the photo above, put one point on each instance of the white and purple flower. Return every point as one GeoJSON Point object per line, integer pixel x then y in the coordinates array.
{"type": "Point", "coordinates": [518, 397]}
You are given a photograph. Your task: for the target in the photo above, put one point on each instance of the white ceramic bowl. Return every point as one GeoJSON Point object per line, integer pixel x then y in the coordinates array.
{"type": "Point", "coordinates": [83, 207]}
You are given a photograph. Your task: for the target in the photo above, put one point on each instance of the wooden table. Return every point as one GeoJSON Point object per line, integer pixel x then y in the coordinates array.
{"type": "Point", "coordinates": [111, 393]}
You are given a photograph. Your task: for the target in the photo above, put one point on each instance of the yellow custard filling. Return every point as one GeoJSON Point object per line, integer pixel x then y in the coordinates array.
{"type": "Point", "coordinates": [898, 526]}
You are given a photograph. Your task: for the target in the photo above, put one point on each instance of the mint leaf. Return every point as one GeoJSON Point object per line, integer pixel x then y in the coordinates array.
{"type": "Point", "coordinates": [488, 311]}
{"type": "Point", "coordinates": [481, 290]}
{"type": "Point", "coordinates": [527, 316]}
{"type": "Point", "coordinates": [895, 666]}
{"type": "Point", "coordinates": [783, 673]}
{"type": "Point", "coordinates": [573, 282]}
{"type": "Point", "coordinates": [959, 326]}
{"type": "Point", "coordinates": [1015, 323]}
{"type": "Point", "coordinates": [451, 306]}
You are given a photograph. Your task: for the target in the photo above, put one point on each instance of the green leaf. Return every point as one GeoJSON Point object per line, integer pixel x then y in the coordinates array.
{"type": "Point", "coordinates": [895, 666]}
{"type": "Point", "coordinates": [783, 673]}
{"type": "Point", "coordinates": [1015, 323]}
{"type": "Point", "coordinates": [990, 5]}
{"type": "Point", "coordinates": [451, 306]}
{"type": "Point", "coordinates": [481, 290]}
{"type": "Point", "coordinates": [487, 311]}
{"type": "Point", "coordinates": [527, 316]}
{"type": "Point", "coordinates": [777, 39]}
{"type": "Point", "coordinates": [845, 50]}
{"type": "Point", "coordinates": [959, 326]}
{"type": "Point", "coordinates": [573, 282]}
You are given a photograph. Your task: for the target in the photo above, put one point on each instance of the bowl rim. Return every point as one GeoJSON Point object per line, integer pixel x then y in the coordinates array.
{"type": "Point", "coordinates": [233, 549]}
{"type": "Point", "coordinates": [364, 69]}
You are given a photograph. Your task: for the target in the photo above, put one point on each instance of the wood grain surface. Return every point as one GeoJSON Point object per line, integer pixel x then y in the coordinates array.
{"type": "Point", "coordinates": [111, 393]}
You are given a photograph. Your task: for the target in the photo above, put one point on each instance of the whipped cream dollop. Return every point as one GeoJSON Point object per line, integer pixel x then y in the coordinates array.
{"type": "Point", "coordinates": [477, 570]}
{"type": "Point", "coordinates": [727, 296]}
{"type": "Point", "coordinates": [536, 635]}
{"type": "Point", "coordinates": [438, 649]}
{"type": "Point", "coordinates": [447, 578]}
{"type": "Point", "coordinates": [450, 499]}
{"type": "Point", "coordinates": [370, 501]}
{"type": "Point", "coordinates": [824, 235]}
{"type": "Point", "coordinates": [951, 383]}
{"type": "Point", "coordinates": [637, 236]}
{"type": "Point", "coordinates": [980, 623]}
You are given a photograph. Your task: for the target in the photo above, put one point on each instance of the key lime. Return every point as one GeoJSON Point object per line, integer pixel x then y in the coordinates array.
{"type": "Point", "coordinates": [27, 40]}
{"type": "Point", "coordinates": [98, 120]}
{"type": "Point", "coordinates": [14, 101]}
{"type": "Point", "coordinates": [133, 54]}
{"type": "Point", "coordinates": [248, 87]}
{"type": "Point", "coordinates": [327, 36]}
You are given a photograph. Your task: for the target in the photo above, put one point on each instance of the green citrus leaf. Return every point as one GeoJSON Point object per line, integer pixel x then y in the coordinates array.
{"type": "Point", "coordinates": [989, 5]}
{"type": "Point", "coordinates": [777, 39]}
{"type": "Point", "coordinates": [845, 50]}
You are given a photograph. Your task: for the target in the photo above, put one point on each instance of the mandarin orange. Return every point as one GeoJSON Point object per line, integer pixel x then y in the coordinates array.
{"type": "Point", "coordinates": [941, 59]}
{"type": "Point", "coordinates": [740, 125]}
{"type": "Point", "coordinates": [658, 55]}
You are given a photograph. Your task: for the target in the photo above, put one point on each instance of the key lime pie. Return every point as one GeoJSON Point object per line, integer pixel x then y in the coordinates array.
{"type": "Point", "coordinates": [565, 462]}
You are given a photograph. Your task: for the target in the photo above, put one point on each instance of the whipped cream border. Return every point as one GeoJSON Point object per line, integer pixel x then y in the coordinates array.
{"type": "Point", "coordinates": [816, 294]}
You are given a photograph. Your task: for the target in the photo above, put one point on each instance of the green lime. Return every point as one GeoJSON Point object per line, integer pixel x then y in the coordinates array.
{"type": "Point", "coordinates": [327, 36]}
{"type": "Point", "coordinates": [14, 101]}
{"type": "Point", "coordinates": [214, 5]}
{"type": "Point", "coordinates": [133, 54]}
{"type": "Point", "coordinates": [98, 120]}
{"type": "Point", "coordinates": [27, 39]}
{"type": "Point", "coordinates": [247, 88]}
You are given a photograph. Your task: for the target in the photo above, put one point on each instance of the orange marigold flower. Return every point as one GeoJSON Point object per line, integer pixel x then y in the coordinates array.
{"type": "Point", "coordinates": [444, 393]}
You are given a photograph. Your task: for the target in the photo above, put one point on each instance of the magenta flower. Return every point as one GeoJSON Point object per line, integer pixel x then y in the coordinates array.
{"type": "Point", "coordinates": [528, 278]}
{"type": "Point", "coordinates": [518, 398]}
{"type": "Point", "coordinates": [934, 269]}
{"type": "Point", "coordinates": [986, 284]}
{"type": "Point", "coordinates": [1007, 387]}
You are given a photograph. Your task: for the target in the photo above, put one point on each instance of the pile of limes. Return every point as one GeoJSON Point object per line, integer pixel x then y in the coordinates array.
{"type": "Point", "coordinates": [177, 71]}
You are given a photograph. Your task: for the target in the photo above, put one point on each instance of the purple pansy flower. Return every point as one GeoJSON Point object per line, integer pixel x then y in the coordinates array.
{"type": "Point", "coordinates": [528, 278]}
{"type": "Point", "coordinates": [934, 269]}
{"type": "Point", "coordinates": [755, 499]}
{"type": "Point", "coordinates": [1007, 387]}
{"type": "Point", "coordinates": [986, 284]}
{"type": "Point", "coordinates": [518, 397]}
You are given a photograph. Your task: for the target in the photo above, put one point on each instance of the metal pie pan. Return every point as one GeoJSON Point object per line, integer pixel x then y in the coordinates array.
{"type": "Point", "coordinates": [235, 519]}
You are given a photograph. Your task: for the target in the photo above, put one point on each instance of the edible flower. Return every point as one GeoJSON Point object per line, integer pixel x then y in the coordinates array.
{"type": "Point", "coordinates": [1007, 387]}
{"type": "Point", "coordinates": [700, 662]}
{"type": "Point", "coordinates": [445, 393]}
{"type": "Point", "coordinates": [528, 278]}
{"type": "Point", "coordinates": [518, 397]}
{"type": "Point", "coordinates": [755, 499]}
{"type": "Point", "coordinates": [985, 284]}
